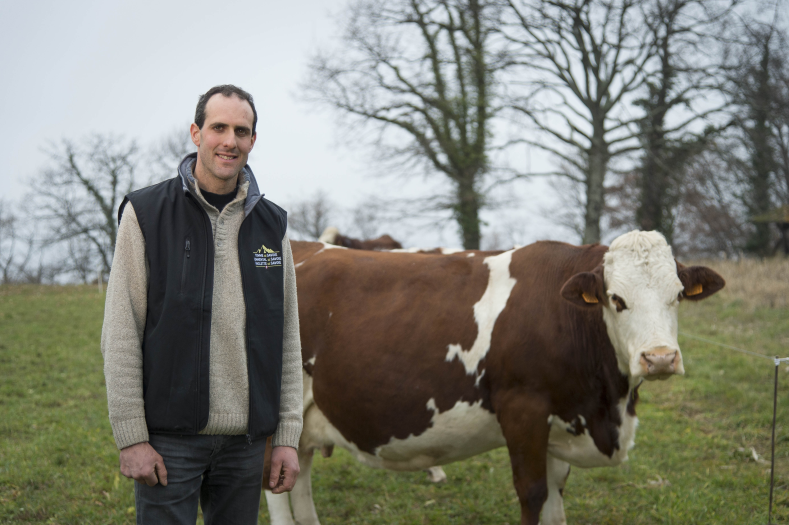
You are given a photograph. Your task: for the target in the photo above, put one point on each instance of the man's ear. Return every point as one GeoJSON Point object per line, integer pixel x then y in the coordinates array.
{"type": "Point", "coordinates": [586, 289]}
{"type": "Point", "coordinates": [699, 281]}
{"type": "Point", "coordinates": [194, 132]}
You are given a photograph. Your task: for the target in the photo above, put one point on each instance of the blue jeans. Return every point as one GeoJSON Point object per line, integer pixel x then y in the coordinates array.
{"type": "Point", "coordinates": [223, 473]}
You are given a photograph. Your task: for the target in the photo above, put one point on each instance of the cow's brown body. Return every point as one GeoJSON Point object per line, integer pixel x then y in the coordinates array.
{"type": "Point", "coordinates": [377, 331]}
{"type": "Point", "coordinates": [379, 360]}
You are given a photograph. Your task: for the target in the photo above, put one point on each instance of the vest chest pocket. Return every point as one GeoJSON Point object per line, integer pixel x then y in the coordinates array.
{"type": "Point", "coordinates": [185, 266]}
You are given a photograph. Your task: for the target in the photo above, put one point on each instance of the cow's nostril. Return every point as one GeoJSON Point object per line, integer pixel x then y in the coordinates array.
{"type": "Point", "coordinates": [659, 363]}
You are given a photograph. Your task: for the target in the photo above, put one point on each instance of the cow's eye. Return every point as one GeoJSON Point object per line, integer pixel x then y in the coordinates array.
{"type": "Point", "coordinates": [619, 302]}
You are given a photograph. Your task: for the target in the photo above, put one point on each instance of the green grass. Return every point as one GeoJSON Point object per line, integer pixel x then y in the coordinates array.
{"type": "Point", "coordinates": [692, 462]}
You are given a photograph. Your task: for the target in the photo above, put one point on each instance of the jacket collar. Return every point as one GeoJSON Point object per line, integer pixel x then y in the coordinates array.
{"type": "Point", "coordinates": [188, 181]}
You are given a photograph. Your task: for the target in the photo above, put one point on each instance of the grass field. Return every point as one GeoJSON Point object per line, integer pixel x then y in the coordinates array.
{"type": "Point", "coordinates": [693, 461]}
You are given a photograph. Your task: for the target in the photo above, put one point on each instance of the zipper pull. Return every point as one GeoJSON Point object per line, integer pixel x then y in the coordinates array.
{"type": "Point", "coordinates": [188, 248]}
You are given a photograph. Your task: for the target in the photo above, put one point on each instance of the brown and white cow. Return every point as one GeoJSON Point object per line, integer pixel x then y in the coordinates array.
{"type": "Point", "coordinates": [415, 360]}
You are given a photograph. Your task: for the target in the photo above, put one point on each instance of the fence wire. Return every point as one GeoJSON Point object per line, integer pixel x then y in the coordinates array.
{"type": "Point", "coordinates": [777, 361]}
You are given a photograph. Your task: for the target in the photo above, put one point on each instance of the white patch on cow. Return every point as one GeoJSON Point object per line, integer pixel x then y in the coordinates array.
{"type": "Point", "coordinates": [311, 360]}
{"type": "Point", "coordinates": [436, 475]}
{"type": "Point", "coordinates": [406, 250]}
{"type": "Point", "coordinates": [472, 254]}
{"type": "Point", "coordinates": [279, 508]}
{"type": "Point", "coordinates": [450, 251]}
{"type": "Point", "coordinates": [553, 508]}
{"type": "Point", "coordinates": [479, 378]}
{"type": "Point", "coordinates": [640, 268]}
{"type": "Point", "coordinates": [486, 311]}
{"type": "Point", "coordinates": [465, 430]}
{"type": "Point", "coordinates": [327, 246]}
{"type": "Point", "coordinates": [580, 450]}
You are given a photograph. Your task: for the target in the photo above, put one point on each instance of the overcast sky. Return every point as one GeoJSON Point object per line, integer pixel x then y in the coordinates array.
{"type": "Point", "coordinates": [136, 68]}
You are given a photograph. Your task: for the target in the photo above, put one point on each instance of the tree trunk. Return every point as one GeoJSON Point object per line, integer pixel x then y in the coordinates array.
{"type": "Point", "coordinates": [467, 214]}
{"type": "Point", "coordinates": [595, 187]}
{"type": "Point", "coordinates": [762, 160]}
{"type": "Point", "coordinates": [652, 210]}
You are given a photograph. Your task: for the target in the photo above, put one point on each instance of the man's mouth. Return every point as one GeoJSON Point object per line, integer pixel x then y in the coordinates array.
{"type": "Point", "coordinates": [226, 157]}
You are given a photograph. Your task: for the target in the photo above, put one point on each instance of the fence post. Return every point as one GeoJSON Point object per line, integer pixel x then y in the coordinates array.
{"type": "Point", "coordinates": [772, 453]}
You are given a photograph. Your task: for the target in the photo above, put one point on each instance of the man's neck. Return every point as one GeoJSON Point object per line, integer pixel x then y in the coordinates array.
{"type": "Point", "coordinates": [213, 184]}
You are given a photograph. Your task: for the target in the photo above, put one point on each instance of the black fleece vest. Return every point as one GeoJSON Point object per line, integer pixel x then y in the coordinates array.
{"type": "Point", "coordinates": [176, 345]}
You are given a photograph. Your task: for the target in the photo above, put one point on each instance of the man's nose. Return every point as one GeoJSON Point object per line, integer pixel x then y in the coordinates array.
{"type": "Point", "coordinates": [229, 140]}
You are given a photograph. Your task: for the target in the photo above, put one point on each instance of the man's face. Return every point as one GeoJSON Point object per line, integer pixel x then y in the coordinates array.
{"type": "Point", "coordinates": [224, 142]}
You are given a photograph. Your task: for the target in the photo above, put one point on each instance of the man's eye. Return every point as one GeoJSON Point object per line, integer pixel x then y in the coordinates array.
{"type": "Point", "coordinates": [619, 302]}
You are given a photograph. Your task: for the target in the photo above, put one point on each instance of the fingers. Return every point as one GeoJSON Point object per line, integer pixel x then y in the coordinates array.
{"type": "Point", "coordinates": [161, 472]}
{"type": "Point", "coordinates": [284, 470]}
{"type": "Point", "coordinates": [149, 478]}
{"type": "Point", "coordinates": [143, 464]}
{"type": "Point", "coordinates": [276, 474]}
{"type": "Point", "coordinates": [289, 480]}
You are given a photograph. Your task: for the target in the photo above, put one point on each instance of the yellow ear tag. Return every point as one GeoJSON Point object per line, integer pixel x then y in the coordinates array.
{"type": "Point", "coordinates": [591, 299]}
{"type": "Point", "coordinates": [695, 290]}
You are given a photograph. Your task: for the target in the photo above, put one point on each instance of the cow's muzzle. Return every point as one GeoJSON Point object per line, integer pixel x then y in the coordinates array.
{"type": "Point", "coordinates": [661, 363]}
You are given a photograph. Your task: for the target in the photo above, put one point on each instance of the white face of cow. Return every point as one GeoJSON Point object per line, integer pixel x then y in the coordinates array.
{"type": "Point", "coordinates": [638, 286]}
{"type": "Point", "coordinates": [643, 288]}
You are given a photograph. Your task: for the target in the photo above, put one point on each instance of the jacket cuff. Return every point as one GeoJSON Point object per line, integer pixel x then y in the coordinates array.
{"type": "Point", "coordinates": [130, 432]}
{"type": "Point", "coordinates": [287, 434]}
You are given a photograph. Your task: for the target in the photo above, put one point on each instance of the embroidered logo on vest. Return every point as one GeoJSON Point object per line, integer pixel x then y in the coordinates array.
{"type": "Point", "coordinates": [265, 257]}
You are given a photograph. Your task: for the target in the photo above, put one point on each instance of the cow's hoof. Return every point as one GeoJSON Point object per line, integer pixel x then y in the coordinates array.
{"type": "Point", "coordinates": [436, 474]}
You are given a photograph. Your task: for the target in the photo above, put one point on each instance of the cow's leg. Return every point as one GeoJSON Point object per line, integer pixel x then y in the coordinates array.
{"type": "Point", "coordinates": [524, 422]}
{"type": "Point", "coordinates": [301, 496]}
{"type": "Point", "coordinates": [278, 508]}
{"type": "Point", "coordinates": [553, 510]}
{"type": "Point", "coordinates": [436, 474]}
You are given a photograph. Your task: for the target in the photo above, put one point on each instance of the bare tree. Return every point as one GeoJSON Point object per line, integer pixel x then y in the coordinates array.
{"type": "Point", "coordinates": [582, 61]}
{"type": "Point", "coordinates": [309, 217]}
{"type": "Point", "coordinates": [681, 93]}
{"type": "Point", "coordinates": [76, 197]}
{"type": "Point", "coordinates": [366, 219]}
{"type": "Point", "coordinates": [711, 219]}
{"type": "Point", "coordinates": [421, 74]}
{"type": "Point", "coordinates": [757, 88]}
{"type": "Point", "coordinates": [167, 152]}
{"type": "Point", "coordinates": [8, 241]}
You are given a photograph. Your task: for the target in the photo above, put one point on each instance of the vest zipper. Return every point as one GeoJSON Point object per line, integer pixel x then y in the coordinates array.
{"type": "Point", "coordinates": [246, 331]}
{"type": "Point", "coordinates": [188, 254]}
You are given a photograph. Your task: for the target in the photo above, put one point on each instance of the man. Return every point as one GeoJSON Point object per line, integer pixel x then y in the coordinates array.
{"type": "Point", "coordinates": [201, 347]}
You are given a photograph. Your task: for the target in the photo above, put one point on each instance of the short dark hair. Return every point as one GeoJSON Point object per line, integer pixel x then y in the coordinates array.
{"type": "Point", "coordinates": [226, 90]}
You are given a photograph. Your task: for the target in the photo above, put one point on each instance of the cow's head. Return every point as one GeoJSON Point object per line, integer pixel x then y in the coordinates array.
{"type": "Point", "coordinates": [639, 286]}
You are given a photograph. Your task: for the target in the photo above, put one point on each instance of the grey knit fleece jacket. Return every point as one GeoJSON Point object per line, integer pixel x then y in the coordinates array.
{"type": "Point", "coordinates": [124, 325]}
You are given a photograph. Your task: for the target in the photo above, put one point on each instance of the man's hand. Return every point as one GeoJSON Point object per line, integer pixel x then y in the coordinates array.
{"type": "Point", "coordinates": [284, 469]}
{"type": "Point", "coordinates": [142, 463]}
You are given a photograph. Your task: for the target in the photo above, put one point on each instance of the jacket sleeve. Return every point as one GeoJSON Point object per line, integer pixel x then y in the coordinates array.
{"type": "Point", "coordinates": [291, 395]}
{"type": "Point", "coordinates": [122, 333]}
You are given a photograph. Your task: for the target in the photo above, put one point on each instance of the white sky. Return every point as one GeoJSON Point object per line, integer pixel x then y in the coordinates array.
{"type": "Point", "coordinates": [136, 68]}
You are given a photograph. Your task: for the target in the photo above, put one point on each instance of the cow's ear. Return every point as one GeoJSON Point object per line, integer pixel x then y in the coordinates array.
{"type": "Point", "coordinates": [699, 281]}
{"type": "Point", "coordinates": [585, 289]}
